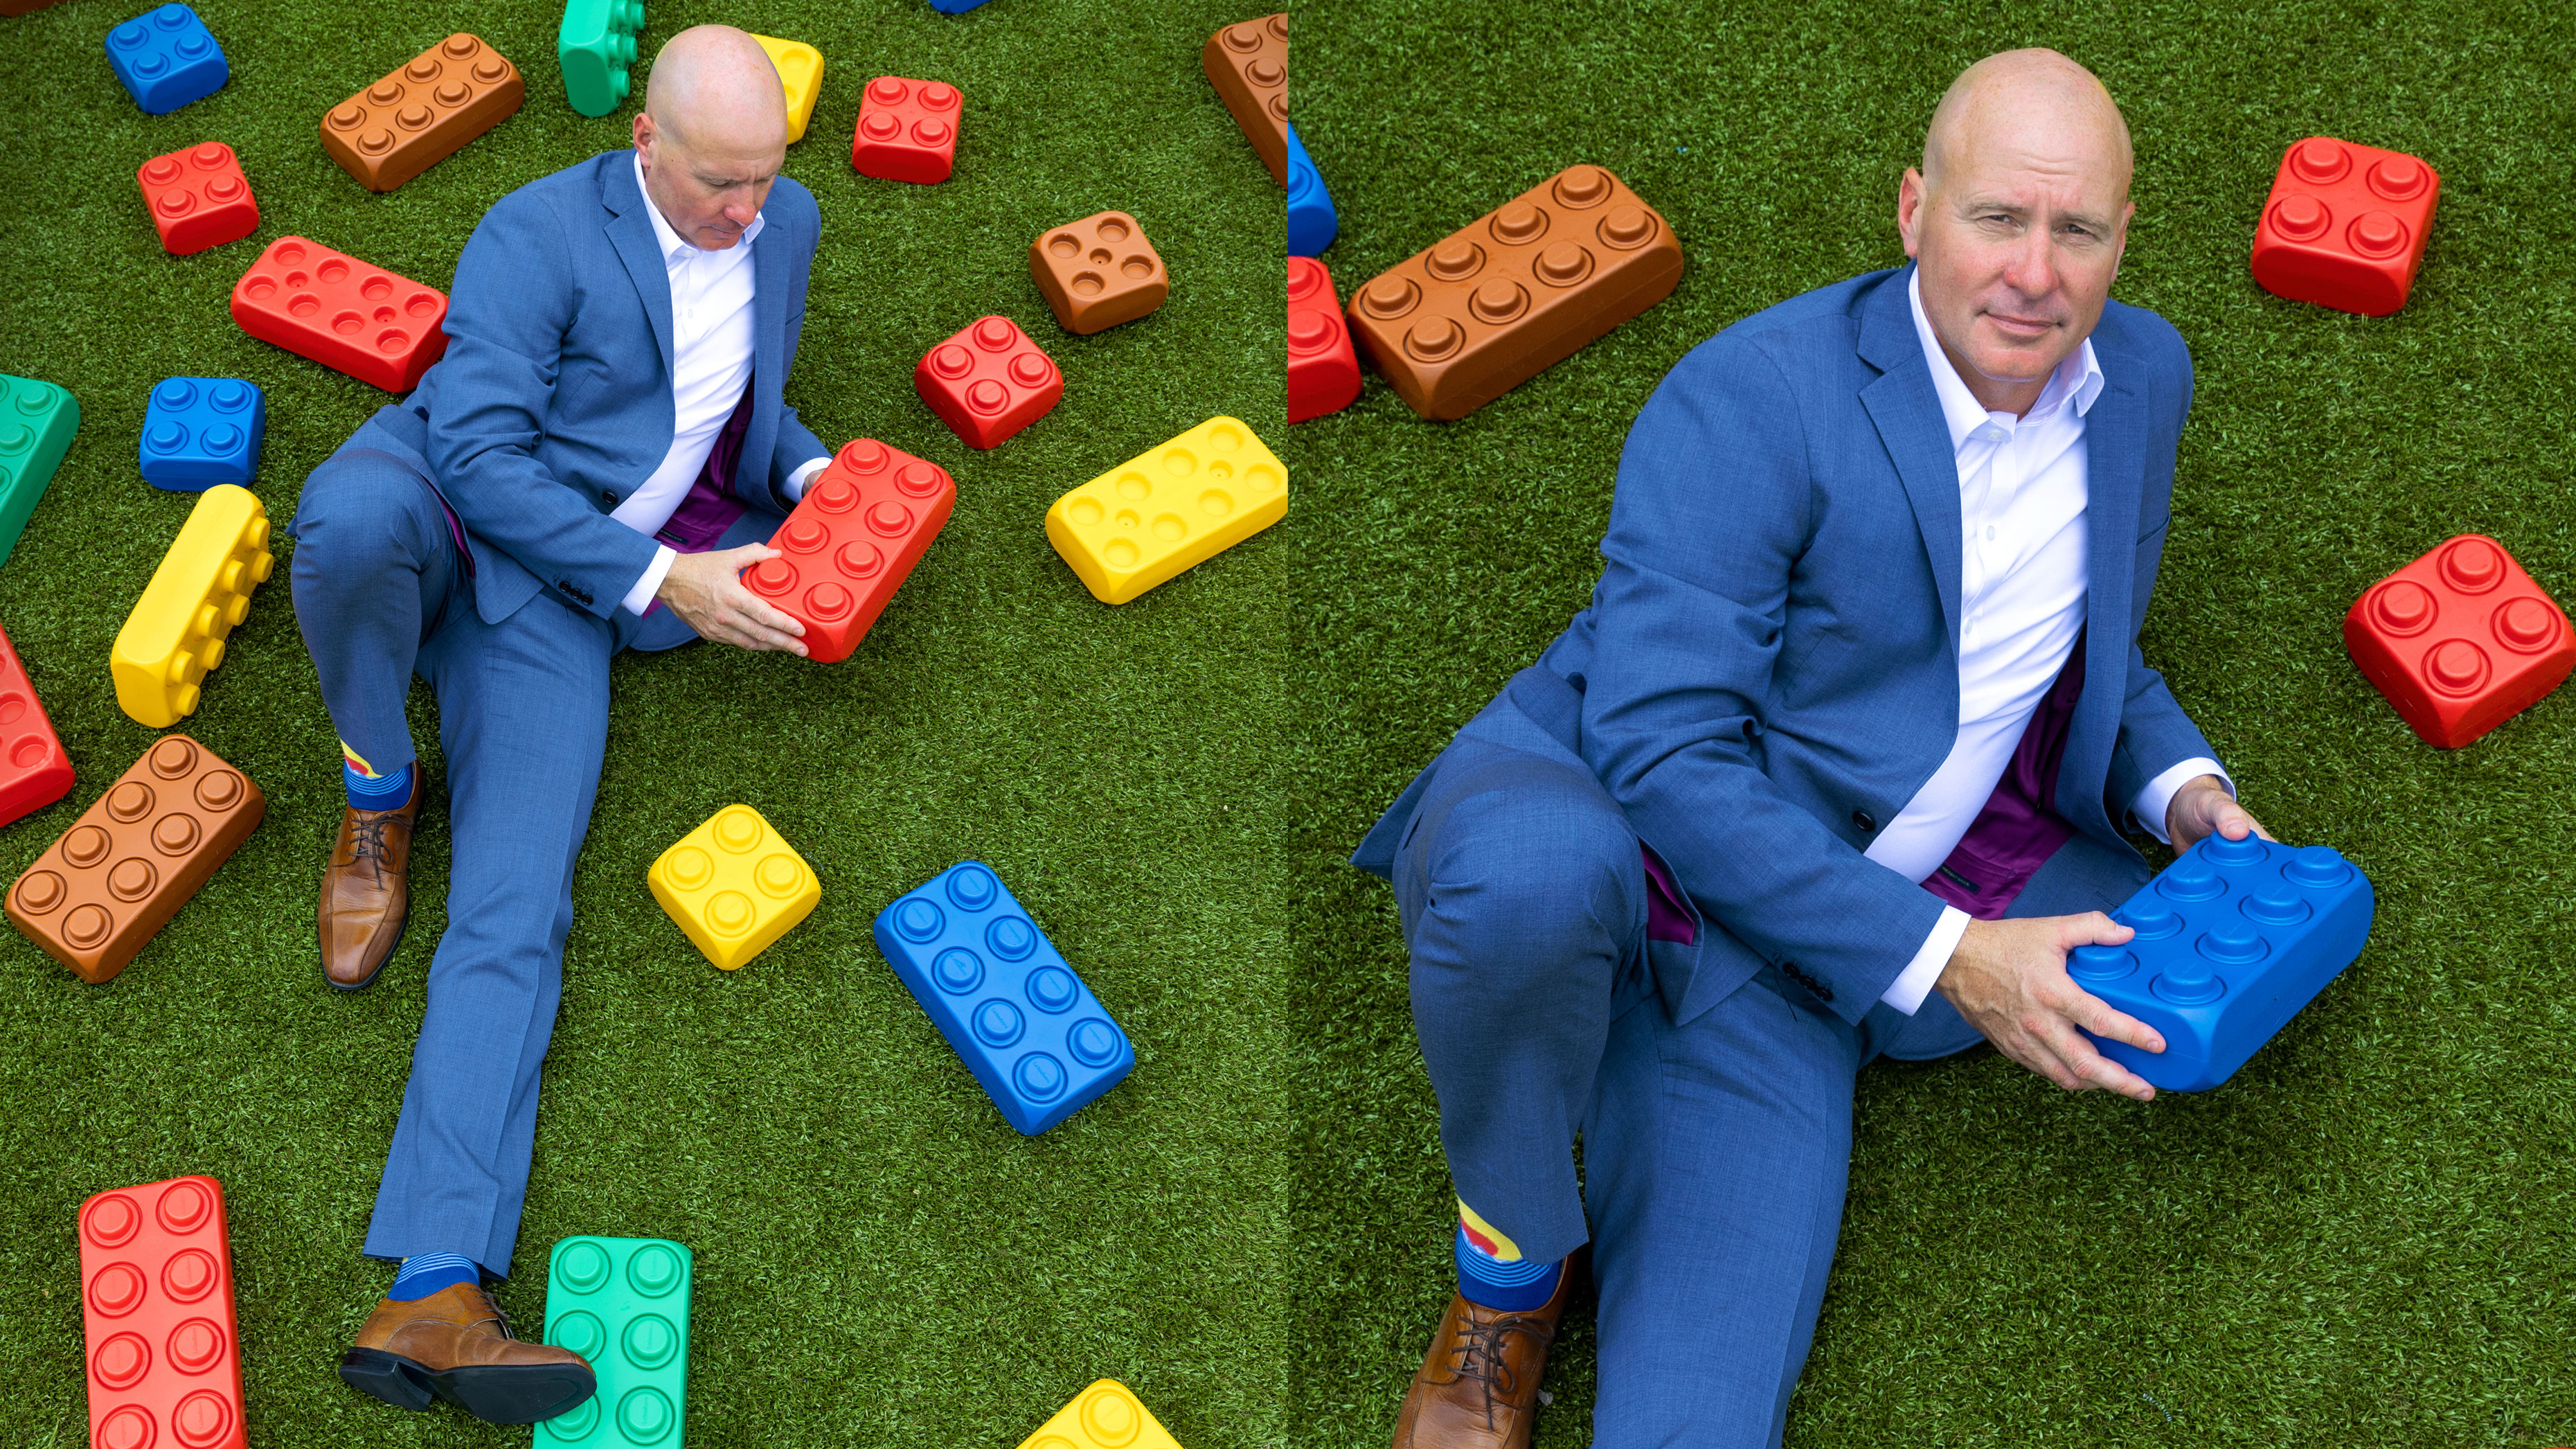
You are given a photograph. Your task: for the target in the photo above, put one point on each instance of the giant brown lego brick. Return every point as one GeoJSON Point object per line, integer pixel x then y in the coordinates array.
{"type": "Point", "coordinates": [416, 117]}
{"type": "Point", "coordinates": [1501, 301]}
{"type": "Point", "coordinates": [1248, 64]}
{"type": "Point", "coordinates": [135, 856]}
{"type": "Point", "coordinates": [1098, 272]}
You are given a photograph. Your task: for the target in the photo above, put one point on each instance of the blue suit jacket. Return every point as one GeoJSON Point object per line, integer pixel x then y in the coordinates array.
{"type": "Point", "coordinates": [1769, 668]}
{"type": "Point", "coordinates": [553, 403]}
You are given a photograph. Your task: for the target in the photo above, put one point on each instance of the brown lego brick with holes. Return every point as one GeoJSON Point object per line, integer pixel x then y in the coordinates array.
{"type": "Point", "coordinates": [420, 114]}
{"type": "Point", "coordinates": [134, 857]}
{"type": "Point", "coordinates": [1248, 63]}
{"type": "Point", "coordinates": [1522, 289]}
{"type": "Point", "coordinates": [1098, 272]}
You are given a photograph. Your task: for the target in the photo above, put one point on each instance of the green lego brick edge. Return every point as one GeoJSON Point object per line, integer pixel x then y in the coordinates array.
{"type": "Point", "coordinates": [25, 486]}
{"type": "Point", "coordinates": [672, 1378]}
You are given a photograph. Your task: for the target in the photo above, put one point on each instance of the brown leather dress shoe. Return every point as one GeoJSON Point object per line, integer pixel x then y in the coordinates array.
{"type": "Point", "coordinates": [366, 891]}
{"type": "Point", "coordinates": [1478, 1388]}
{"type": "Point", "coordinates": [455, 1345]}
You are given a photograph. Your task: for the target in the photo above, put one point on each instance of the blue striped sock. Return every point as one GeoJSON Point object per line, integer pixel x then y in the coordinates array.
{"type": "Point", "coordinates": [422, 1274]}
{"type": "Point", "coordinates": [1514, 1287]}
{"type": "Point", "coordinates": [377, 792]}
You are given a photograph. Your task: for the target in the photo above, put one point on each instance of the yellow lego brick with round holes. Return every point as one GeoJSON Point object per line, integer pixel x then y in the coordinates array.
{"type": "Point", "coordinates": [735, 886]}
{"type": "Point", "coordinates": [202, 589]}
{"type": "Point", "coordinates": [800, 69]}
{"type": "Point", "coordinates": [1170, 509]}
{"type": "Point", "coordinates": [1104, 1416]}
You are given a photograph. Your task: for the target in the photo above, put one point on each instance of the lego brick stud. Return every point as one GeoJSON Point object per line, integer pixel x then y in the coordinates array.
{"type": "Point", "coordinates": [1098, 272]}
{"type": "Point", "coordinates": [1311, 222]}
{"type": "Point", "coordinates": [2345, 225]}
{"type": "Point", "coordinates": [595, 45]}
{"type": "Point", "coordinates": [1169, 510]}
{"type": "Point", "coordinates": [201, 431]}
{"type": "Point", "coordinates": [988, 382]}
{"type": "Point", "coordinates": [2460, 640]}
{"type": "Point", "coordinates": [167, 59]}
{"type": "Point", "coordinates": [198, 198]}
{"type": "Point", "coordinates": [1521, 289]}
{"type": "Point", "coordinates": [164, 1347]}
{"type": "Point", "coordinates": [1248, 65]}
{"type": "Point", "coordinates": [375, 326]}
{"type": "Point", "coordinates": [1323, 370]}
{"type": "Point", "coordinates": [1107, 1415]}
{"type": "Point", "coordinates": [622, 1304]}
{"type": "Point", "coordinates": [907, 130]}
{"type": "Point", "coordinates": [800, 71]}
{"type": "Point", "coordinates": [37, 420]}
{"type": "Point", "coordinates": [865, 520]}
{"type": "Point", "coordinates": [423, 112]}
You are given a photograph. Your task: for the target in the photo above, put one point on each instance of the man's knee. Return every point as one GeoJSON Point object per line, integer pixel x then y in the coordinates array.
{"type": "Point", "coordinates": [365, 515]}
{"type": "Point", "coordinates": [1536, 871]}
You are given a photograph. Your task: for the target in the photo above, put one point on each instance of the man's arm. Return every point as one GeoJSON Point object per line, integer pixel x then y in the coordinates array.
{"type": "Point", "coordinates": [1712, 511]}
{"type": "Point", "coordinates": [506, 319]}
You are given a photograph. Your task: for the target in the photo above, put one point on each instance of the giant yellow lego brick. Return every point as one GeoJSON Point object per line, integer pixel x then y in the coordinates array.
{"type": "Point", "coordinates": [1170, 509]}
{"type": "Point", "coordinates": [734, 885]}
{"type": "Point", "coordinates": [1104, 1416]}
{"type": "Point", "coordinates": [800, 66]}
{"type": "Point", "coordinates": [202, 589]}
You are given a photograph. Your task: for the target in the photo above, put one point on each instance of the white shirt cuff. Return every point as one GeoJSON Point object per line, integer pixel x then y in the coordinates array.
{"type": "Point", "coordinates": [2153, 801]}
{"type": "Point", "coordinates": [797, 480]}
{"type": "Point", "coordinates": [1915, 981]}
{"type": "Point", "coordinates": [640, 597]}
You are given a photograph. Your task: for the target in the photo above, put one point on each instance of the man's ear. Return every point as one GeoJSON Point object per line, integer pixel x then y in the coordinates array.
{"type": "Point", "coordinates": [1909, 209]}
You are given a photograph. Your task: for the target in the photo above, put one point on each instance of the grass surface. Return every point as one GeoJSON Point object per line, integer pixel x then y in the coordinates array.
{"type": "Point", "coordinates": [880, 1260]}
{"type": "Point", "coordinates": [2364, 1237]}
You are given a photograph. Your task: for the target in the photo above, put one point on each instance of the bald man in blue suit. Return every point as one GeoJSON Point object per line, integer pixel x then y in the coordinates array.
{"type": "Point", "coordinates": [1834, 767]}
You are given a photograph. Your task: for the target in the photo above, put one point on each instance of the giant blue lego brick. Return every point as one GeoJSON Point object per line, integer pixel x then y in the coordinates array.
{"type": "Point", "coordinates": [993, 984]}
{"type": "Point", "coordinates": [2233, 938]}
{"type": "Point", "coordinates": [201, 431]}
{"type": "Point", "coordinates": [623, 1304]}
{"type": "Point", "coordinates": [1311, 222]}
{"type": "Point", "coordinates": [954, 7]}
{"type": "Point", "coordinates": [37, 420]}
{"type": "Point", "coordinates": [167, 59]}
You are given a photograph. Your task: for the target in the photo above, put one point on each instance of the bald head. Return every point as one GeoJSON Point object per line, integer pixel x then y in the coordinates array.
{"type": "Point", "coordinates": [2017, 220]}
{"type": "Point", "coordinates": [712, 134]}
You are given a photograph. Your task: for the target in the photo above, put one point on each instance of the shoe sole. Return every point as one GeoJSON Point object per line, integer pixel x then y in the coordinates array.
{"type": "Point", "coordinates": [493, 1393]}
{"type": "Point", "coordinates": [399, 927]}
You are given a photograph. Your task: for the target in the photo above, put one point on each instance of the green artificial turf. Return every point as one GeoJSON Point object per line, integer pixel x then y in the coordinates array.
{"type": "Point", "coordinates": [2363, 1238]}
{"type": "Point", "coordinates": [879, 1259]}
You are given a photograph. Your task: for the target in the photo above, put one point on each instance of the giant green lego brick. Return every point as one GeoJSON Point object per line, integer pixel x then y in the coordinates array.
{"type": "Point", "coordinates": [623, 1304]}
{"type": "Point", "coordinates": [37, 420]}
{"type": "Point", "coordinates": [595, 46]}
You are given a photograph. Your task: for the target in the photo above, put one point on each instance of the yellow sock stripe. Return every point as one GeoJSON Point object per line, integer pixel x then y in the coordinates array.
{"type": "Point", "coordinates": [1505, 1250]}
{"type": "Point", "coordinates": [357, 762]}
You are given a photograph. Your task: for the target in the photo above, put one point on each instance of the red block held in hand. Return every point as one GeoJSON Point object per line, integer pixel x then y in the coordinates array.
{"type": "Point", "coordinates": [198, 198]}
{"type": "Point", "coordinates": [163, 1350]}
{"type": "Point", "coordinates": [365, 321]}
{"type": "Point", "coordinates": [907, 130]}
{"type": "Point", "coordinates": [34, 770]}
{"type": "Point", "coordinates": [864, 522]}
{"type": "Point", "coordinates": [1323, 368]}
{"type": "Point", "coordinates": [2460, 640]}
{"type": "Point", "coordinates": [989, 381]}
{"type": "Point", "coordinates": [2345, 226]}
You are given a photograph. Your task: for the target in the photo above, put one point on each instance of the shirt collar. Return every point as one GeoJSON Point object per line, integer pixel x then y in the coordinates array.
{"type": "Point", "coordinates": [2079, 376]}
{"type": "Point", "coordinates": [676, 251]}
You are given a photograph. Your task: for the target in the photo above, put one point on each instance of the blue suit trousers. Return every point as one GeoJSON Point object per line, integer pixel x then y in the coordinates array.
{"type": "Point", "coordinates": [1715, 1153]}
{"type": "Point", "coordinates": [382, 592]}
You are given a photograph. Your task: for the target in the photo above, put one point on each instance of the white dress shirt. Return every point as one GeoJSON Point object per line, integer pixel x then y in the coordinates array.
{"type": "Point", "coordinates": [711, 355]}
{"type": "Point", "coordinates": [2023, 561]}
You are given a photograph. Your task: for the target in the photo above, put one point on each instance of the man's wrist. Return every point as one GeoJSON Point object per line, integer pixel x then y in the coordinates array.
{"type": "Point", "coordinates": [648, 587]}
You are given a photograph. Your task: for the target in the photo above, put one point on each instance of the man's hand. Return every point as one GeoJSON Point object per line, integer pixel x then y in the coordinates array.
{"type": "Point", "coordinates": [2204, 806]}
{"type": "Point", "coordinates": [2008, 978]}
{"type": "Point", "coordinates": [705, 590]}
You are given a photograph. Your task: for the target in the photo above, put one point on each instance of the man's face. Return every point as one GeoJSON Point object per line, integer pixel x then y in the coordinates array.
{"type": "Point", "coordinates": [2017, 240]}
{"type": "Point", "coordinates": [708, 188]}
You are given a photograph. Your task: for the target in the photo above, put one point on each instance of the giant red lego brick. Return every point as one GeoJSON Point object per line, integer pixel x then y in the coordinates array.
{"type": "Point", "coordinates": [2345, 226]}
{"type": "Point", "coordinates": [2460, 640]}
{"type": "Point", "coordinates": [34, 770]}
{"type": "Point", "coordinates": [1098, 272]}
{"type": "Point", "coordinates": [907, 130]}
{"type": "Point", "coordinates": [162, 1347]}
{"type": "Point", "coordinates": [365, 321]}
{"type": "Point", "coordinates": [1323, 369]}
{"type": "Point", "coordinates": [418, 116]}
{"type": "Point", "coordinates": [198, 198]}
{"type": "Point", "coordinates": [134, 857]}
{"type": "Point", "coordinates": [1248, 65]}
{"type": "Point", "coordinates": [988, 382]}
{"type": "Point", "coordinates": [1521, 289]}
{"type": "Point", "coordinates": [864, 522]}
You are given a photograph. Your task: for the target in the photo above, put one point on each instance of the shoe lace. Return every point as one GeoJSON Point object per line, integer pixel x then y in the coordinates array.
{"type": "Point", "coordinates": [367, 840]}
{"type": "Point", "coordinates": [492, 1307]}
{"type": "Point", "coordinates": [1483, 1355]}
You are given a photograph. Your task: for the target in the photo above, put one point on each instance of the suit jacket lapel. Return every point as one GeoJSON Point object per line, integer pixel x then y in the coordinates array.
{"type": "Point", "coordinates": [2115, 449]}
{"type": "Point", "coordinates": [631, 232]}
{"type": "Point", "coordinates": [771, 253]}
{"type": "Point", "coordinates": [1908, 415]}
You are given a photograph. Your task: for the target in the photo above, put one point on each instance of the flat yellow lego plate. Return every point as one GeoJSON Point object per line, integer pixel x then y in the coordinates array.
{"type": "Point", "coordinates": [202, 589]}
{"type": "Point", "coordinates": [1104, 1416]}
{"type": "Point", "coordinates": [734, 885]}
{"type": "Point", "coordinates": [1168, 510]}
{"type": "Point", "coordinates": [800, 66]}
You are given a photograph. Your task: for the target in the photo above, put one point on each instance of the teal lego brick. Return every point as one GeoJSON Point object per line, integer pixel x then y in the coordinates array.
{"type": "Point", "coordinates": [37, 420]}
{"type": "Point", "coordinates": [623, 1304]}
{"type": "Point", "coordinates": [595, 46]}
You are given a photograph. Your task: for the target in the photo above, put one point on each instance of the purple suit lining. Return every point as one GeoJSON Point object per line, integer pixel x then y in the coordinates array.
{"type": "Point", "coordinates": [2019, 829]}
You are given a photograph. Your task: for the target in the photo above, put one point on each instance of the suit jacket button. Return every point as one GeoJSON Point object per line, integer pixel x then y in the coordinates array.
{"type": "Point", "coordinates": [1863, 820]}
{"type": "Point", "coordinates": [607, 497]}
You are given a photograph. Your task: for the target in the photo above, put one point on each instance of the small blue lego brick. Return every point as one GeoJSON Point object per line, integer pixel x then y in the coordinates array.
{"type": "Point", "coordinates": [1311, 222]}
{"type": "Point", "coordinates": [954, 7]}
{"type": "Point", "coordinates": [2232, 939]}
{"type": "Point", "coordinates": [201, 431]}
{"type": "Point", "coordinates": [167, 59]}
{"type": "Point", "coordinates": [1031, 1032]}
